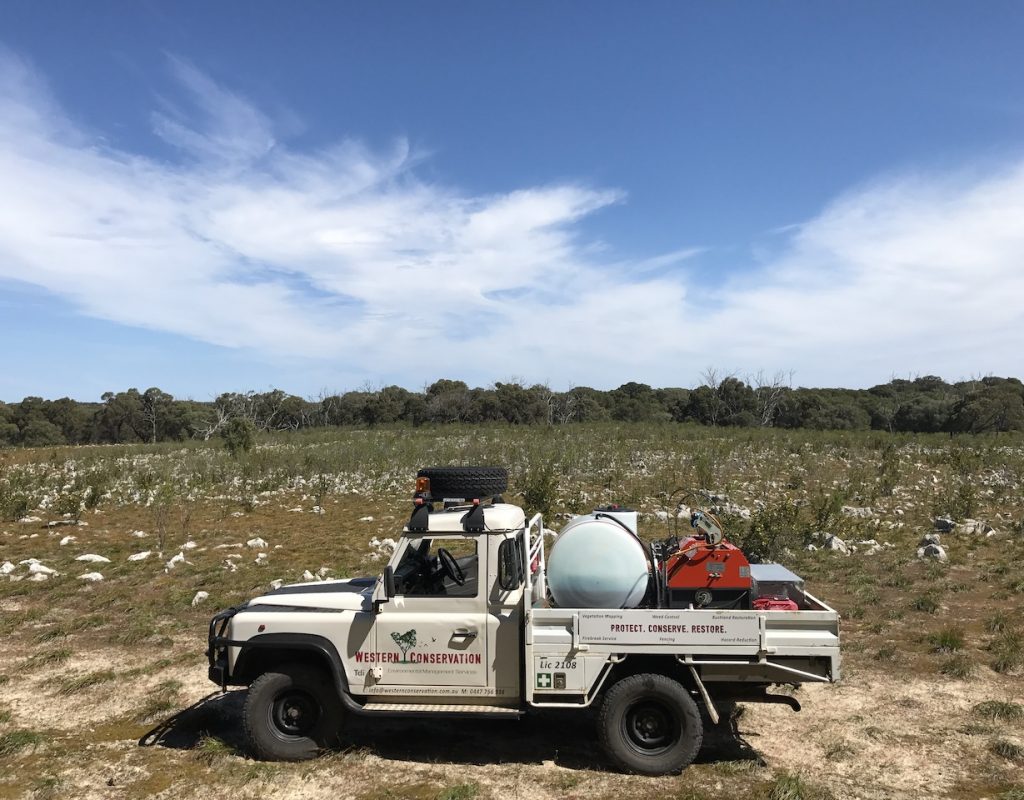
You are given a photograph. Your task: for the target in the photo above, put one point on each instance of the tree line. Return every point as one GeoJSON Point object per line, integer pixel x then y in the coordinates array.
{"type": "Point", "coordinates": [922, 405]}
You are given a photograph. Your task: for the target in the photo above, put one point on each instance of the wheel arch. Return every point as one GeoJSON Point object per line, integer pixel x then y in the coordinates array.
{"type": "Point", "coordinates": [667, 665]}
{"type": "Point", "coordinates": [265, 651]}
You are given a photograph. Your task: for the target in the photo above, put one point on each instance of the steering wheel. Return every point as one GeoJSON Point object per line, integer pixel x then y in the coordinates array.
{"type": "Point", "coordinates": [450, 566]}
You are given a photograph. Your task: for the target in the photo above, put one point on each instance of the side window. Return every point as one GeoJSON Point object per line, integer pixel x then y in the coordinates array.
{"type": "Point", "coordinates": [439, 568]}
{"type": "Point", "coordinates": [510, 563]}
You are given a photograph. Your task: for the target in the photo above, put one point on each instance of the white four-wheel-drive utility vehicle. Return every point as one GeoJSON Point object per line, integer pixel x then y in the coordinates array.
{"type": "Point", "coordinates": [473, 618]}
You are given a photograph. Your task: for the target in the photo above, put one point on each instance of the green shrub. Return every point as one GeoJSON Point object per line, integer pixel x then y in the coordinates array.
{"type": "Point", "coordinates": [540, 489]}
{"type": "Point", "coordinates": [770, 533]}
{"type": "Point", "coordinates": [15, 501]}
{"type": "Point", "coordinates": [239, 436]}
{"type": "Point", "coordinates": [961, 502]}
{"type": "Point", "coordinates": [70, 503]}
{"type": "Point", "coordinates": [888, 469]}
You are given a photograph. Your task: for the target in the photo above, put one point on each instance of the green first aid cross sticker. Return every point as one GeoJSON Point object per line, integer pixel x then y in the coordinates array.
{"type": "Point", "coordinates": [543, 680]}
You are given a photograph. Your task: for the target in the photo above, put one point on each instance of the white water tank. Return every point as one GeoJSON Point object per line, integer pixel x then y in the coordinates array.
{"type": "Point", "coordinates": [598, 562]}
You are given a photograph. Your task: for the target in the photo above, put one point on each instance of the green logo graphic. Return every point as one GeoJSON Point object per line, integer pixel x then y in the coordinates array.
{"type": "Point", "coordinates": [543, 680]}
{"type": "Point", "coordinates": [406, 642]}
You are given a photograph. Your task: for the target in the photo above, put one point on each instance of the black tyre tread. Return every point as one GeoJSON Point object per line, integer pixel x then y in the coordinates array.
{"type": "Point", "coordinates": [261, 742]}
{"type": "Point", "coordinates": [465, 482]}
{"type": "Point", "coordinates": [631, 688]}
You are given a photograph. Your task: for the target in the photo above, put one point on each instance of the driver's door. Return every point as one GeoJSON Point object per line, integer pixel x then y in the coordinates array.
{"type": "Point", "coordinates": [433, 632]}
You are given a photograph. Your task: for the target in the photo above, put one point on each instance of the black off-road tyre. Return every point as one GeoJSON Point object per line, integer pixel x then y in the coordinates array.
{"type": "Point", "coordinates": [292, 713]}
{"type": "Point", "coordinates": [467, 483]}
{"type": "Point", "coordinates": [649, 725]}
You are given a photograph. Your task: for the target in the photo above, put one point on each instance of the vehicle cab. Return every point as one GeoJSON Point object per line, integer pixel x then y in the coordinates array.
{"type": "Point", "coordinates": [441, 624]}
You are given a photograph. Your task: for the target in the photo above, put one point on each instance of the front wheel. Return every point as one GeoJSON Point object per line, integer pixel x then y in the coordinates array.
{"type": "Point", "coordinates": [650, 725]}
{"type": "Point", "coordinates": [291, 714]}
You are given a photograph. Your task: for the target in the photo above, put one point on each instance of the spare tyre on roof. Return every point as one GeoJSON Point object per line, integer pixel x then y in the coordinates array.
{"type": "Point", "coordinates": [465, 483]}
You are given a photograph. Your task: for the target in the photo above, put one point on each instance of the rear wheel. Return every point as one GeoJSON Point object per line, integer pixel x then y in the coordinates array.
{"type": "Point", "coordinates": [291, 713]}
{"type": "Point", "coordinates": [650, 725]}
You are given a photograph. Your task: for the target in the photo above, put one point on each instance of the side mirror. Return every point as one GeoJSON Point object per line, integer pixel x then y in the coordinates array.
{"type": "Point", "coordinates": [389, 581]}
{"type": "Point", "coordinates": [510, 565]}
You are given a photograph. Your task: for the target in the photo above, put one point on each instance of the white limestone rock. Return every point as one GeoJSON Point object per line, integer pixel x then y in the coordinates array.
{"type": "Point", "coordinates": [934, 551]}
{"type": "Point", "coordinates": [834, 543]}
{"type": "Point", "coordinates": [93, 558]}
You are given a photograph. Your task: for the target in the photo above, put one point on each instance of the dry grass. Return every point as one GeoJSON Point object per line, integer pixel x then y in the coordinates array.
{"type": "Point", "coordinates": [18, 741]}
{"type": "Point", "coordinates": [999, 711]}
{"type": "Point", "coordinates": [1011, 751]}
{"type": "Point", "coordinates": [949, 639]}
{"type": "Point", "coordinates": [80, 683]}
{"type": "Point", "coordinates": [109, 660]}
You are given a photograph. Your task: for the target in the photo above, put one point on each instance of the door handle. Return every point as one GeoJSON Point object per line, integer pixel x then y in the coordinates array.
{"type": "Point", "coordinates": [463, 633]}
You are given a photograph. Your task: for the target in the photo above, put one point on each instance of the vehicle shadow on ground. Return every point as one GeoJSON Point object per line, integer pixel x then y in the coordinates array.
{"type": "Point", "coordinates": [218, 715]}
{"type": "Point", "coordinates": [566, 738]}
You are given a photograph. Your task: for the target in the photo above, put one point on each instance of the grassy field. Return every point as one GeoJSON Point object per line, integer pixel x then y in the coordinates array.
{"type": "Point", "coordinates": [931, 705]}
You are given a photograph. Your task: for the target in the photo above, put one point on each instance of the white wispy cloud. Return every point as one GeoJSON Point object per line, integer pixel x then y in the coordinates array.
{"type": "Point", "coordinates": [345, 255]}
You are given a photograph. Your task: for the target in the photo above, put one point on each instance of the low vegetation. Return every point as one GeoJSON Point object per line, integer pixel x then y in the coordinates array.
{"type": "Point", "coordinates": [958, 666]}
{"type": "Point", "coordinates": [790, 786]}
{"type": "Point", "coordinates": [17, 741]}
{"type": "Point", "coordinates": [90, 667]}
{"type": "Point", "coordinates": [999, 711]}
{"type": "Point", "coordinates": [79, 683]}
{"type": "Point", "coordinates": [1011, 751]}
{"type": "Point", "coordinates": [947, 639]}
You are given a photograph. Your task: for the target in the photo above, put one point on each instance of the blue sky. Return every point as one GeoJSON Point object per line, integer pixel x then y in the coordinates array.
{"type": "Point", "coordinates": [211, 197]}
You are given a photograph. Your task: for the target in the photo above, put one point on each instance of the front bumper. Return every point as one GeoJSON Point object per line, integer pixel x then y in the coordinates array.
{"type": "Point", "coordinates": [217, 651]}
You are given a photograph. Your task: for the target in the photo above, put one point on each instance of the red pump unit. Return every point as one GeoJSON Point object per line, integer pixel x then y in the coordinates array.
{"type": "Point", "coordinates": [706, 574]}
{"type": "Point", "coordinates": [705, 571]}
{"type": "Point", "coordinates": [709, 576]}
